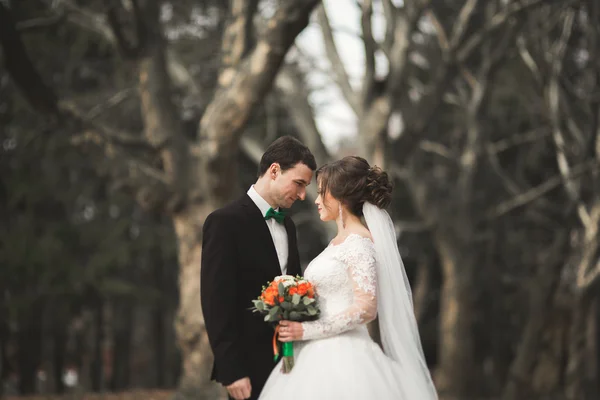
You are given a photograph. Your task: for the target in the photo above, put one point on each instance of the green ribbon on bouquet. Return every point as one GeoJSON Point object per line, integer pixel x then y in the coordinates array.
{"type": "Point", "coordinates": [287, 349]}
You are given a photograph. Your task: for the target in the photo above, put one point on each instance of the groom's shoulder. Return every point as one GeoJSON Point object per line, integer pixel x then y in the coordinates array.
{"type": "Point", "coordinates": [229, 211]}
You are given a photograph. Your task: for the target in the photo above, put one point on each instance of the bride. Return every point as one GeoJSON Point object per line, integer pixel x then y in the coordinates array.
{"type": "Point", "coordinates": [359, 276]}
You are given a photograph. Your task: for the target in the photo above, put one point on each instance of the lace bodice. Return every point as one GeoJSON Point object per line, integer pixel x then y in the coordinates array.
{"type": "Point", "coordinates": [345, 281]}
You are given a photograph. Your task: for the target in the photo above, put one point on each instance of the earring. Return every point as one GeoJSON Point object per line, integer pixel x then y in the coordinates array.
{"type": "Point", "coordinates": [341, 215]}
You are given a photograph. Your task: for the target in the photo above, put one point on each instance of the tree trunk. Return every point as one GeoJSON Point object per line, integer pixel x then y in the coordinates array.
{"type": "Point", "coordinates": [582, 365]}
{"type": "Point", "coordinates": [158, 317]}
{"type": "Point", "coordinates": [191, 332]}
{"type": "Point", "coordinates": [59, 349]}
{"type": "Point", "coordinates": [97, 366]}
{"type": "Point", "coordinates": [542, 291]}
{"type": "Point", "coordinates": [459, 311]}
{"type": "Point", "coordinates": [547, 378]}
{"type": "Point", "coordinates": [122, 336]}
{"type": "Point", "coordinates": [422, 287]}
{"type": "Point", "coordinates": [4, 338]}
{"type": "Point", "coordinates": [29, 341]}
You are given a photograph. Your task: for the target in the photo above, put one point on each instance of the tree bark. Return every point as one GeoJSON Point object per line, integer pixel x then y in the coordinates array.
{"type": "Point", "coordinates": [191, 332]}
{"type": "Point", "coordinates": [97, 365]}
{"type": "Point", "coordinates": [582, 364]}
{"type": "Point", "coordinates": [122, 335]}
{"type": "Point", "coordinates": [159, 318]}
{"type": "Point", "coordinates": [29, 341]}
{"type": "Point", "coordinates": [543, 289]}
{"type": "Point", "coordinates": [548, 377]}
{"type": "Point", "coordinates": [459, 314]}
{"type": "Point", "coordinates": [59, 349]}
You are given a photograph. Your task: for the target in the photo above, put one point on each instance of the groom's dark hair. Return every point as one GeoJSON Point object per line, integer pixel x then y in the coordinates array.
{"type": "Point", "coordinates": [287, 151]}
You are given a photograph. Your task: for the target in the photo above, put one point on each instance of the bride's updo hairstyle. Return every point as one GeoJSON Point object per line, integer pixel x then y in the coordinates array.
{"type": "Point", "coordinates": [353, 181]}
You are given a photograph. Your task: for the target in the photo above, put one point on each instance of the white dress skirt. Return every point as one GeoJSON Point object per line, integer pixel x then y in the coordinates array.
{"type": "Point", "coordinates": [337, 359]}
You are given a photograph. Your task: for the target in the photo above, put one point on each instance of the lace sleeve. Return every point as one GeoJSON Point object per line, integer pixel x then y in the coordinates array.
{"type": "Point", "coordinates": [360, 264]}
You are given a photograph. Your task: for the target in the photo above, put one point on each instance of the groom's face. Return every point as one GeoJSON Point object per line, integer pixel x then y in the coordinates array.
{"type": "Point", "coordinates": [290, 185]}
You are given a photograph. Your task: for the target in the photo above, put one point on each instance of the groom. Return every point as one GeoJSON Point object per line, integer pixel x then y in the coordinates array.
{"type": "Point", "coordinates": [245, 245]}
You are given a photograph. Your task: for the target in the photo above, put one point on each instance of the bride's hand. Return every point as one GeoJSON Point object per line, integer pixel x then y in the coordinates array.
{"type": "Point", "coordinates": [290, 331]}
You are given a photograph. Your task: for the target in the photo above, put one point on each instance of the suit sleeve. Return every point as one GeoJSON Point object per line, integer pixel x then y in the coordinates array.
{"type": "Point", "coordinates": [218, 296]}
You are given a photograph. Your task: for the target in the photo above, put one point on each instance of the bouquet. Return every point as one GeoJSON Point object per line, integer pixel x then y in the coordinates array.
{"type": "Point", "coordinates": [286, 298]}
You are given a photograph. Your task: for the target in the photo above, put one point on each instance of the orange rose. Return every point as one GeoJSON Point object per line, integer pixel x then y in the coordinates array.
{"type": "Point", "coordinates": [269, 296]}
{"type": "Point", "coordinates": [269, 299]}
{"type": "Point", "coordinates": [311, 293]}
{"type": "Point", "coordinates": [302, 289]}
{"type": "Point", "coordinates": [281, 299]}
{"type": "Point", "coordinates": [293, 290]}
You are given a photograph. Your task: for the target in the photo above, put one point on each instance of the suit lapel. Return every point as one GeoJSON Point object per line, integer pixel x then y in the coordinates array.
{"type": "Point", "coordinates": [258, 232]}
{"type": "Point", "coordinates": [292, 247]}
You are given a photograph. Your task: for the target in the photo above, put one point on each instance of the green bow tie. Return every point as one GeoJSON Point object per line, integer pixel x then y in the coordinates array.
{"type": "Point", "coordinates": [277, 215]}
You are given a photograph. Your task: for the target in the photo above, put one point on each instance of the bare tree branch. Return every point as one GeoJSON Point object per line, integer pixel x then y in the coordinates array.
{"type": "Point", "coordinates": [586, 275]}
{"type": "Point", "coordinates": [430, 146]}
{"type": "Point", "coordinates": [517, 140]}
{"type": "Point", "coordinates": [36, 24]}
{"type": "Point", "coordinates": [124, 45]}
{"type": "Point", "coordinates": [418, 120]}
{"type": "Point", "coordinates": [540, 190]}
{"type": "Point", "coordinates": [103, 133]}
{"type": "Point", "coordinates": [237, 38]}
{"type": "Point", "coordinates": [112, 102]}
{"type": "Point", "coordinates": [460, 26]}
{"type": "Point", "coordinates": [529, 61]}
{"type": "Point", "coordinates": [43, 98]}
{"type": "Point", "coordinates": [441, 35]}
{"type": "Point", "coordinates": [337, 65]}
{"type": "Point", "coordinates": [291, 87]}
{"type": "Point", "coordinates": [513, 9]}
{"type": "Point", "coordinates": [552, 96]}
{"type": "Point", "coordinates": [370, 47]}
{"type": "Point", "coordinates": [20, 68]}
{"type": "Point", "coordinates": [98, 24]}
{"type": "Point", "coordinates": [389, 13]}
{"type": "Point", "coordinates": [222, 123]}
{"type": "Point", "coordinates": [405, 27]}
{"type": "Point", "coordinates": [89, 21]}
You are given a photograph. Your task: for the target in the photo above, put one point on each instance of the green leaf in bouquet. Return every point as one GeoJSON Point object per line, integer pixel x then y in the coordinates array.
{"type": "Point", "coordinates": [273, 311]}
{"type": "Point", "coordinates": [294, 316]}
{"type": "Point", "coordinates": [296, 299]}
{"type": "Point", "coordinates": [307, 301]}
{"type": "Point", "coordinates": [286, 305]}
{"type": "Point", "coordinates": [281, 289]}
{"type": "Point", "coordinates": [311, 310]}
{"type": "Point", "coordinates": [286, 315]}
{"type": "Point", "coordinates": [260, 306]}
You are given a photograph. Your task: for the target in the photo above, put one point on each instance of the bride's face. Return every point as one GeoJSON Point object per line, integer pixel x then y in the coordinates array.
{"type": "Point", "coordinates": [327, 206]}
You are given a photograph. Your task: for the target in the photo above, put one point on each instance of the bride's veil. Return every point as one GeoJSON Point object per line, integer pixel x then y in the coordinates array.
{"type": "Point", "coordinates": [397, 322]}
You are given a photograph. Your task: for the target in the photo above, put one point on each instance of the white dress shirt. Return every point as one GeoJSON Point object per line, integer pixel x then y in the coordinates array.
{"type": "Point", "coordinates": [278, 232]}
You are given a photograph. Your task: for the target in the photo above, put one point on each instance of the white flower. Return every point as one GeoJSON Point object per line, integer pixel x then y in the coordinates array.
{"type": "Point", "coordinates": [287, 280]}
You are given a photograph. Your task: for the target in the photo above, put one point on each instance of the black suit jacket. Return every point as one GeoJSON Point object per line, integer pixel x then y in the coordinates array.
{"type": "Point", "coordinates": [238, 258]}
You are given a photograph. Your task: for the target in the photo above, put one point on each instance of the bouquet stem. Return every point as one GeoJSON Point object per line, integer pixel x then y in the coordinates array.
{"type": "Point", "coordinates": [287, 351]}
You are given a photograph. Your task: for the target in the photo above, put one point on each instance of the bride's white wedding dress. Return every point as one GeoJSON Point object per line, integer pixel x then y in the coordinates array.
{"type": "Point", "coordinates": [337, 359]}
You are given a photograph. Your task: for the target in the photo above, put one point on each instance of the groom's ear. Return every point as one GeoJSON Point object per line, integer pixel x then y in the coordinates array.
{"type": "Point", "coordinates": [273, 170]}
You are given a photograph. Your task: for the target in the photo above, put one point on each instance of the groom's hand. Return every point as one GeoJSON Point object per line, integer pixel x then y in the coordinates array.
{"type": "Point", "coordinates": [240, 389]}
